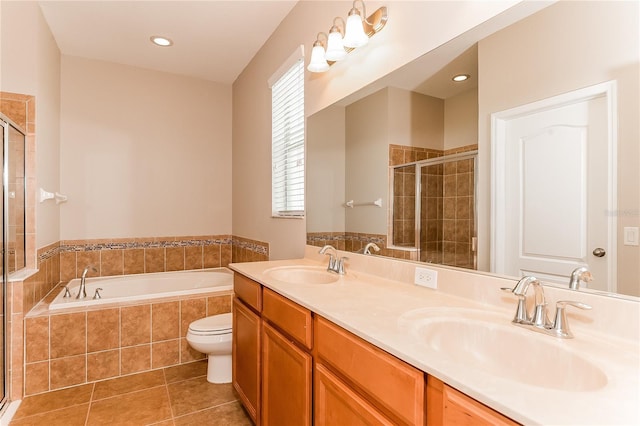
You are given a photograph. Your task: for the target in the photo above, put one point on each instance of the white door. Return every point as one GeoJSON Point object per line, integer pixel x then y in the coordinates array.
{"type": "Point", "coordinates": [556, 193]}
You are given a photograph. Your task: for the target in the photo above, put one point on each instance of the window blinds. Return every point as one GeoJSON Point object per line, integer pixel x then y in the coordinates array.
{"type": "Point", "coordinates": [287, 141]}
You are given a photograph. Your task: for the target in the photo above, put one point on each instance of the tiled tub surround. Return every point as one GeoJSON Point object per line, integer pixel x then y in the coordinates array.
{"type": "Point", "coordinates": [77, 346]}
{"type": "Point", "coordinates": [111, 257]}
{"type": "Point", "coordinates": [125, 256]}
{"type": "Point", "coordinates": [377, 293]}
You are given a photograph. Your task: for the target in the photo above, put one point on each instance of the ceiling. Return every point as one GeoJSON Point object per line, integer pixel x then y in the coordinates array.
{"type": "Point", "coordinates": [213, 40]}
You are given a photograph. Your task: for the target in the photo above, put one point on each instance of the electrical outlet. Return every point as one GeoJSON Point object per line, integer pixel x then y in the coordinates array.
{"type": "Point", "coordinates": [426, 277]}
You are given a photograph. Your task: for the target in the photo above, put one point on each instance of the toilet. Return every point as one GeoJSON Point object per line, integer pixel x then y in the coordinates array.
{"type": "Point", "coordinates": [212, 336]}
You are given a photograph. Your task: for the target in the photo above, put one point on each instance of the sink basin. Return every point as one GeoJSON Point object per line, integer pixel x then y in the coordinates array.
{"type": "Point", "coordinates": [501, 349]}
{"type": "Point", "coordinates": [302, 275]}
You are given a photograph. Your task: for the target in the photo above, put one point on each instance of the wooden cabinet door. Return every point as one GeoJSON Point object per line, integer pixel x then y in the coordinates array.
{"type": "Point", "coordinates": [286, 381]}
{"type": "Point", "coordinates": [447, 406]}
{"type": "Point", "coordinates": [337, 404]}
{"type": "Point", "coordinates": [246, 358]}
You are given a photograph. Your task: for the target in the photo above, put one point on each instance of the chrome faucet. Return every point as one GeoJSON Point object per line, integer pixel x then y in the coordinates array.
{"type": "Point", "coordinates": [336, 264]}
{"type": "Point", "coordinates": [539, 317]}
{"type": "Point", "coordinates": [368, 247]}
{"type": "Point", "coordinates": [539, 320]}
{"type": "Point", "coordinates": [579, 274]}
{"type": "Point", "coordinates": [82, 291]}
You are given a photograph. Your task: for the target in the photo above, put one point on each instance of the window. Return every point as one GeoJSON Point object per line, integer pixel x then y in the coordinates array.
{"type": "Point", "coordinates": [287, 139]}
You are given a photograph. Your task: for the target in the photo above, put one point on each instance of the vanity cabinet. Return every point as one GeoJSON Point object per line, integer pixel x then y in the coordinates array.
{"type": "Point", "coordinates": [294, 367]}
{"type": "Point", "coordinates": [447, 406]}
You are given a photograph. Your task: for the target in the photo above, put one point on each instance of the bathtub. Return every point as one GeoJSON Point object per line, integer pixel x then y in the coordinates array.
{"type": "Point", "coordinates": [126, 288]}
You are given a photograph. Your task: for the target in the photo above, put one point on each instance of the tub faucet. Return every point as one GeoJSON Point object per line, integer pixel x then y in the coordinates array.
{"type": "Point", "coordinates": [579, 274]}
{"type": "Point", "coordinates": [336, 264]}
{"type": "Point", "coordinates": [369, 246]}
{"type": "Point", "coordinates": [82, 291]}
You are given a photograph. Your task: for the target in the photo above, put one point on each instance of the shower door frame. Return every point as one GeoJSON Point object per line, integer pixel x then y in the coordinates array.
{"type": "Point", "coordinates": [473, 154]}
{"type": "Point", "coordinates": [6, 124]}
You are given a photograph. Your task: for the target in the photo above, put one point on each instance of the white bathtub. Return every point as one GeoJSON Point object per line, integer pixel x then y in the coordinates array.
{"type": "Point", "coordinates": [126, 288]}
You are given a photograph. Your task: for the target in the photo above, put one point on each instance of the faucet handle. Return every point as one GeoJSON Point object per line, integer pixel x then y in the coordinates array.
{"type": "Point", "coordinates": [67, 293]}
{"type": "Point", "coordinates": [340, 265]}
{"type": "Point", "coordinates": [97, 294]}
{"type": "Point", "coordinates": [521, 316]}
{"type": "Point", "coordinates": [560, 323]}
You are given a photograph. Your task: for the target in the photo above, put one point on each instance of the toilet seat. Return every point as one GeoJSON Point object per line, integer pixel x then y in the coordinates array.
{"type": "Point", "coordinates": [212, 326]}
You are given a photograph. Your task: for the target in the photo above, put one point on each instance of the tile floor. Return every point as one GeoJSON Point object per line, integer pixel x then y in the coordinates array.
{"type": "Point", "coordinates": [175, 396]}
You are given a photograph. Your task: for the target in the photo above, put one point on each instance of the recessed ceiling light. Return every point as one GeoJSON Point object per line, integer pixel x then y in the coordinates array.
{"type": "Point", "coordinates": [460, 77]}
{"type": "Point", "coordinates": [161, 41]}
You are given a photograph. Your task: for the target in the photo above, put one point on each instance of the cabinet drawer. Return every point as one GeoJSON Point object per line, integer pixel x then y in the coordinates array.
{"type": "Point", "coordinates": [446, 405]}
{"type": "Point", "coordinates": [290, 317]}
{"type": "Point", "coordinates": [337, 404]}
{"type": "Point", "coordinates": [248, 291]}
{"type": "Point", "coordinates": [391, 384]}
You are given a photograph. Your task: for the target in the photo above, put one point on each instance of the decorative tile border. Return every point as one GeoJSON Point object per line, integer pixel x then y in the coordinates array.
{"type": "Point", "coordinates": [315, 237]}
{"type": "Point", "coordinates": [144, 243]}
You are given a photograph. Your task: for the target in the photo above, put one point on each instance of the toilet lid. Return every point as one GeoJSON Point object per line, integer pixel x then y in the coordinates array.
{"type": "Point", "coordinates": [216, 324]}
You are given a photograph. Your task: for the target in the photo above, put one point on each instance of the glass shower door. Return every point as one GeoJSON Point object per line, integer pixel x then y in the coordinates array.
{"type": "Point", "coordinates": [6, 130]}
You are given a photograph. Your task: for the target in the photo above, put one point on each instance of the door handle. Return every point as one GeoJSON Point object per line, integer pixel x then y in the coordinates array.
{"type": "Point", "coordinates": [599, 252]}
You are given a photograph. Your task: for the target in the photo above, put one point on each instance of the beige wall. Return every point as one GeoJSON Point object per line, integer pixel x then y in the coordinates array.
{"type": "Point", "coordinates": [415, 119]}
{"type": "Point", "coordinates": [143, 153]}
{"type": "Point", "coordinates": [461, 120]}
{"type": "Point", "coordinates": [582, 44]}
{"type": "Point", "coordinates": [31, 66]}
{"type": "Point", "coordinates": [414, 28]}
{"type": "Point", "coordinates": [367, 158]}
{"type": "Point", "coordinates": [325, 175]}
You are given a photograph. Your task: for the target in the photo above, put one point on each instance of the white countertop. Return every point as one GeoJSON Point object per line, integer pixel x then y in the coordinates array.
{"type": "Point", "coordinates": [376, 309]}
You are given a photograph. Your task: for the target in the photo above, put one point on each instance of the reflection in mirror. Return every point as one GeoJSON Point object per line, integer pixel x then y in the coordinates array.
{"type": "Point", "coordinates": [16, 205]}
{"type": "Point", "coordinates": [417, 115]}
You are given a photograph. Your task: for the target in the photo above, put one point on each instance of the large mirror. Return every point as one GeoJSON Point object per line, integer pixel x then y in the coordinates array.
{"type": "Point", "coordinates": [414, 164]}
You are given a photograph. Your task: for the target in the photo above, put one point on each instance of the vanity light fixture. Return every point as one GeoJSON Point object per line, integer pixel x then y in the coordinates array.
{"type": "Point", "coordinates": [343, 38]}
{"type": "Point", "coordinates": [460, 77]}
{"type": "Point", "coordinates": [318, 62]}
{"type": "Point", "coordinates": [161, 41]}
{"type": "Point", "coordinates": [335, 45]}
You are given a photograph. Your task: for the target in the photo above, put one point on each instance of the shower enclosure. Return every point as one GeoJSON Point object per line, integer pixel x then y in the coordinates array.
{"type": "Point", "coordinates": [12, 158]}
{"type": "Point", "coordinates": [434, 209]}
